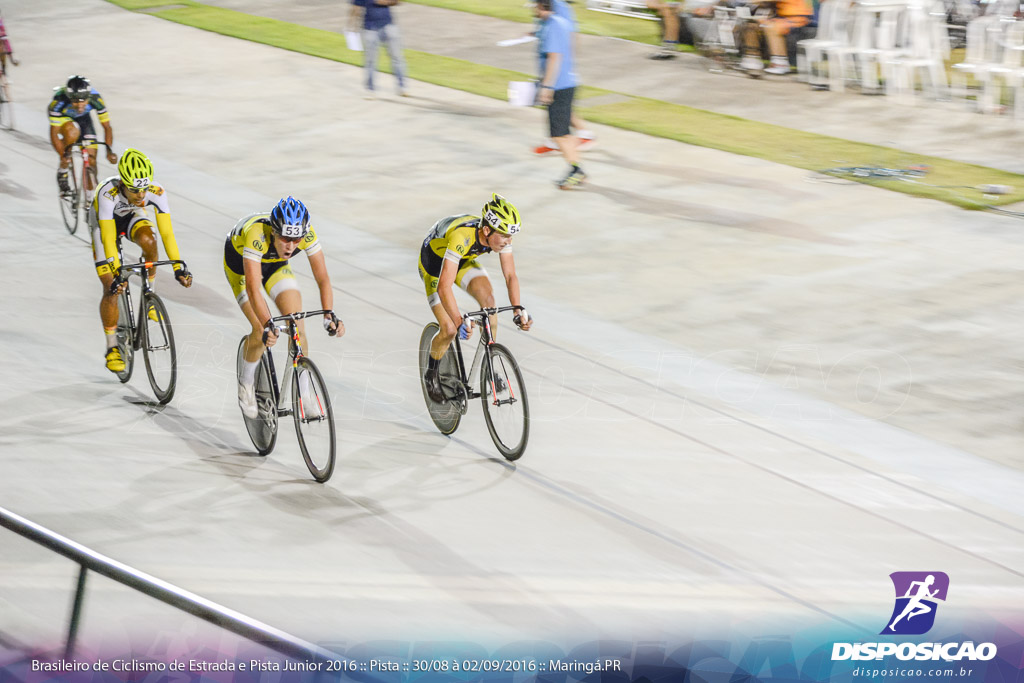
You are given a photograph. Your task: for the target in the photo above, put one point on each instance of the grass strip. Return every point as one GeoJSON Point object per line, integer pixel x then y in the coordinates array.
{"type": "Point", "coordinates": [949, 181]}
{"type": "Point", "coordinates": [592, 22]}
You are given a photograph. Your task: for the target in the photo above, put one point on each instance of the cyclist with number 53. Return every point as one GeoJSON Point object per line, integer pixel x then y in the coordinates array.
{"type": "Point", "coordinates": [70, 122]}
{"type": "Point", "coordinates": [448, 257]}
{"type": "Point", "coordinates": [119, 210]}
{"type": "Point", "coordinates": [256, 254]}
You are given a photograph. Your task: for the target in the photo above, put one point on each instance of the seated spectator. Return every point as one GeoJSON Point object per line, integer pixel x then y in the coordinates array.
{"type": "Point", "coordinates": [668, 11]}
{"type": "Point", "coordinates": [788, 15]}
{"type": "Point", "coordinates": [698, 18]}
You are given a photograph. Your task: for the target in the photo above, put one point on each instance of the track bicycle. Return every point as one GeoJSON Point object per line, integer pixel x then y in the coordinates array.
{"type": "Point", "coordinates": [149, 331]}
{"type": "Point", "coordinates": [79, 169]}
{"type": "Point", "coordinates": [502, 391]}
{"type": "Point", "coordinates": [310, 404]}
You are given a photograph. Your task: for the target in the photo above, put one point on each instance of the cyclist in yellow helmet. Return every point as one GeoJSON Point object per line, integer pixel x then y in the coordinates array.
{"type": "Point", "coordinates": [448, 256]}
{"type": "Point", "coordinates": [119, 210]}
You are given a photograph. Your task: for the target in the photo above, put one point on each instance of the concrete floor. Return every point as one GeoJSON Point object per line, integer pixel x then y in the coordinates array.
{"type": "Point", "coordinates": [754, 395]}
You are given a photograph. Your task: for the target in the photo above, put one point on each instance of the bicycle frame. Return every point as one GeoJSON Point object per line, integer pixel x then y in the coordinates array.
{"type": "Point", "coordinates": [294, 354]}
{"type": "Point", "coordinates": [486, 339]}
{"type": "Point", "coordinates": [142, 267]}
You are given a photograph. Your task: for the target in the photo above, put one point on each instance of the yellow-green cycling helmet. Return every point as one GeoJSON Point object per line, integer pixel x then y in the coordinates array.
{"type": "Point", "coordinates": [499, 215]}
{"type": "Point", "coordinates": [135, 169]}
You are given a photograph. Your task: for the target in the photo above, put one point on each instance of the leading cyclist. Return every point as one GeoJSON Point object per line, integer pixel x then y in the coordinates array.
{"type": "Point", "coordinates": [448, 256]}
{"type": "Point", "coordinates": [256, 253]}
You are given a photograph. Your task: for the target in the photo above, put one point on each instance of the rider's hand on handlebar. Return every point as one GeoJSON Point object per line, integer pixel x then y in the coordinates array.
{"type": "Point", "coordinates": [183, 276]}
{"type": "Point", "coordinates": [333, 325]}
{"type": "Point", "coordinates": [523, 320]}
{"type": "Point", "coordinates": [466, 329]}
{"type": "Point", "coordinates": [117, 286]}
{"type": "Point", "coordinates": [269, 334]}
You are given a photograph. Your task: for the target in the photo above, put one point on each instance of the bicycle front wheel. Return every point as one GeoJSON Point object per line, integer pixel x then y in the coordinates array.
{"type": "Point", "coordinates": [69, 200]}
{"type": "Point", "coordinates": [158, 347]}
{"type": "Point", "coordinates": [506, 408]}
{"type": "Point", "coordinates": [314, 419]}
{"type": "Point", "coordinates": [263, 429]}
{"type": "Point", "coordinates": [125, 336]}
{"type": "Point", "coordinates": [445, 416]}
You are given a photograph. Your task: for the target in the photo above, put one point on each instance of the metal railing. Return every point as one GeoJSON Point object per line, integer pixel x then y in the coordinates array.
{"type": "Point", "coordinates": [88, 560]}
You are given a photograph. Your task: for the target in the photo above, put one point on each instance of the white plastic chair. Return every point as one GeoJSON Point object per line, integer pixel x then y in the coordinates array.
{"type": "Point", "coordinates": [924, 50]}
{"type": "Point", "coordinates": [832, 32]}
{"type": "Point", "coordinates": [983, 40]}
{"type": "Point", "coordinates": [1011, 70]}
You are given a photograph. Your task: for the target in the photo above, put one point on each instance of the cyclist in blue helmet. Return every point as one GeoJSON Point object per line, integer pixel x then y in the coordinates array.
{"type": "Point", "coordinates": [256, 253]}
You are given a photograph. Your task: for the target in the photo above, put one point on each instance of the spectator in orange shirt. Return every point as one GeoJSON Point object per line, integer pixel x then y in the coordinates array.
{"type": "Point", "coordinates": [788, 15]}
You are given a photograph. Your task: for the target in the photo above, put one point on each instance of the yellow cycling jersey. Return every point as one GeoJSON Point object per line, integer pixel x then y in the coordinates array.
{"type": "Point", "coordinates": [252, 239]}
{"type": "Point", "coordinates": [453, 239]}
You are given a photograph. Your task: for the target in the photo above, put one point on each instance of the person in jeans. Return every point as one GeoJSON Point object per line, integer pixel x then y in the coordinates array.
{"type": "Point", "coordinates": [557, 86]}
{"type": "Point", "coordinates": [379, 27]}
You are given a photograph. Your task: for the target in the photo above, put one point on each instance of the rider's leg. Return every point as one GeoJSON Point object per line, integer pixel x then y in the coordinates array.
{"type": "Point", "coordinates": [141, 232]}
{"type": "Point", "coordinates": [478, 285]}
{"type": "Point", "coordinates": [446, 332]}
{"type": "Point", "coordinates": [68, 133]}
{"type": "Point", "coordinates": [284, 290]}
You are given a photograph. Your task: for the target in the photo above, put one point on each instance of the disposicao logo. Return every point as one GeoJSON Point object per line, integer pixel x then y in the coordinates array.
{"type": "Point", "coordinates": [918, 595]}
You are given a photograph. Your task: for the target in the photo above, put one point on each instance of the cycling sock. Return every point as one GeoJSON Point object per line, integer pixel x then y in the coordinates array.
{"type": "Point", "coordinates": [249, 371]}
{"type": "Point", "coordinates": [432, 364]}
{"type": "Point", "coordinates": [111, 335]}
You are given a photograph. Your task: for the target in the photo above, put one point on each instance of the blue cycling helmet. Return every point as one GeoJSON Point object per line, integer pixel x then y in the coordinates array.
{"type": "Point", "coordinates": [290, 218]}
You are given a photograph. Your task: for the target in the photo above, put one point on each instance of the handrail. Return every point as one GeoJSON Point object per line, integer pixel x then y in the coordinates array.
{"type": "Point", "coordinates": [223, 617]}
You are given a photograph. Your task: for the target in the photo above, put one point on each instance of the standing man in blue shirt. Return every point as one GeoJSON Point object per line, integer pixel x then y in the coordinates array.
{"type": "Point", "coordinates": [557, 86]}
{"type": "Point", "coordinates": [379, 27]}
{"type": "Point", "coordinates": [579, 126]}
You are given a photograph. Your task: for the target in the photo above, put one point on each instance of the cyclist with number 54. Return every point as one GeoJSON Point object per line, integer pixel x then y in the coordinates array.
{"type": "Point", "coordinates": [256, 255]}
{"type": "Point", "coordinates": [119, 210]}
{"type": "Point", "coordinates": [448, 257]}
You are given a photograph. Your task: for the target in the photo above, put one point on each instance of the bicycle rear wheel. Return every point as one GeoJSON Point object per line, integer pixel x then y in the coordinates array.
{"type": "Point", "coordinates": [314, 419]}
{"type": "Point", "coordinates": [158, 347]}
{"type": "Point", "coordinates": [506, 408]}
{"type": "Point", "coordinates": [125, 336]}
{"type": "Point", "coordinates": [446, 416]}
{"type": "Point", "coordinates": [69, 200]}
{"type": "Point", "coordinates": [263, 429]}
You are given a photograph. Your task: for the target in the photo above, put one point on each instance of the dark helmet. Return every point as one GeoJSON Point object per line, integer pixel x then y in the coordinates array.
{"type": "Point", "coordinates": [78, 88]}
{"type": "Point", "coordinates": [290, 218]}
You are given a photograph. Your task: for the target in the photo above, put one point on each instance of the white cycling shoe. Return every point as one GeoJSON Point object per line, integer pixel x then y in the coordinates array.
{"type": "Point", "coordinates": [247, 400]}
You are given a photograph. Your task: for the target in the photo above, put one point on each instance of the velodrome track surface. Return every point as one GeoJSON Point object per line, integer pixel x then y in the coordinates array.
{"type": "Point", "coordinates": [668, 490]}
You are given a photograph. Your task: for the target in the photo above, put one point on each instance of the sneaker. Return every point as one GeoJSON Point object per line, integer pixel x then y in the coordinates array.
{"type": "Point", "coordinates": [62, 182]}
{"type": "Point", "coordinates": [573, 180]}
{"type": "Point", "coordinates": [583, 144]}
{"type": "Point", "coordinates": [402, 92]}
{"type": "Point", "coordinates": [779, 67]}
{"type": "Point", "coordinates": [434, 390]}
{"type": "Point", "coordinates": [115, 363]}
{"type": "Point", "coordinates": [369, 95]}
{"type": "Point", "coordinates": [545, 149]}
{"type": "Point", "coordinates": [247, 400]}
{"type": "Point", "coordinates": [663, 53]}
{"type": "Point", "coordinates": [751, 63]}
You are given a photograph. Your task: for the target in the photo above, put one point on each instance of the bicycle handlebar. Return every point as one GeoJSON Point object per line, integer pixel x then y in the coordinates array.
{"type": "Point", "coordinates": [296, 316]}
{"type": "Point", "coordinates": [146, 265]}
{"type": "Point", "coordinates": [79, 143]}
{"type": "Point", "coordinates": [484, 312]}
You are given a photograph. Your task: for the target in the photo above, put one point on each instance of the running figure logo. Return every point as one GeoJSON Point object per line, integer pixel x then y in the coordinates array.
{"type": "Point", "coordinates": [917, 596]}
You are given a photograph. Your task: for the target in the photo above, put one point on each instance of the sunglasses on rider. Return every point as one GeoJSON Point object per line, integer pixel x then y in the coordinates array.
{"type": "Point", "coordinates": [134, 191]}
